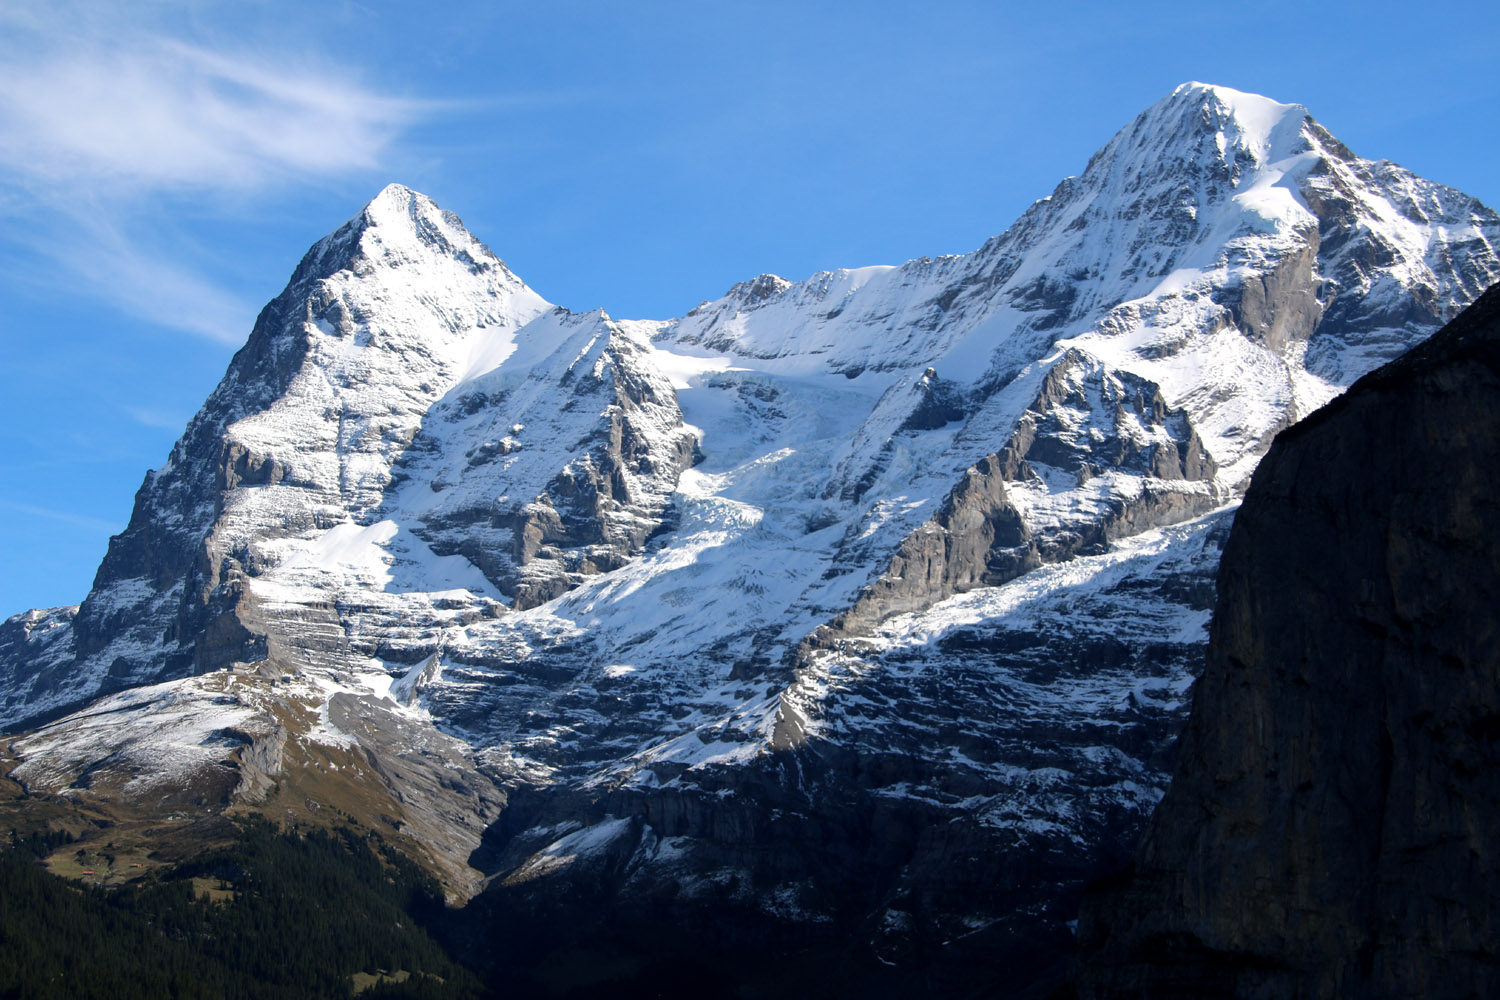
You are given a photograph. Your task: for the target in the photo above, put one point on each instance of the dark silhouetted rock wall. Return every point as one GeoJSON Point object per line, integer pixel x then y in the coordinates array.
{"type": "Point", "coordinates": [1331, 830]}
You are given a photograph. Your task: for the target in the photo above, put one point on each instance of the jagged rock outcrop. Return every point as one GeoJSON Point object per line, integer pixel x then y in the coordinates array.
{"type": "Point", "coordinates": [1330, 829]}
{"type": "Point", "coordinates": [557, 465]}
{"type": "Point", "coordinates": [1087, 420]}
{"type": "Point", "coordinates": [977, 538]}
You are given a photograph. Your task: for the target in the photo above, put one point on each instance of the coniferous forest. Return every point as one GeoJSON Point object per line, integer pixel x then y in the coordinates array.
{"type": "Point", "coordinates": [293, 915]}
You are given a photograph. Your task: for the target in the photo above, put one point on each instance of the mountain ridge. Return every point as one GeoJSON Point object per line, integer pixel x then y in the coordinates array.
{"type": "Point", "coordinates": [673, 596]}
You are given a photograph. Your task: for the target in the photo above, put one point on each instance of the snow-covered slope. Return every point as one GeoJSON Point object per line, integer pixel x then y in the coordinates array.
{"type": "Point", "coordinates": [380, 319]}
{"type": "Point", "coordinates": [933, 541]}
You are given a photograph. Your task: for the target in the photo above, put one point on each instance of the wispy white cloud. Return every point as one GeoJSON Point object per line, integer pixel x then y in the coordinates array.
{"type": "Point", "coordinates": [104, 123]}
{"type": "Point", "coordinates": [138, 110]}
{"type": "Point", "coordinates": [162, 420]}
{"type": "Point", "coordinates": [64, 516]}
{"type": "Point", "coordinates": [136, 275]}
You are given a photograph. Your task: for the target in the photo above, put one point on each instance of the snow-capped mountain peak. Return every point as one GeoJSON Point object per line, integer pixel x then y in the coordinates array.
{"type": "Point", "coordinates": [869, 525]}
{"type": "Point", "coordinates": [1265, 129]}
{"type": "Point", "coordinates": [399, 223]}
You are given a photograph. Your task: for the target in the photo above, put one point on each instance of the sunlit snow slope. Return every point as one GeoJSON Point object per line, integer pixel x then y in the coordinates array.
{"type": "Point", "coordinates": [934, 541]}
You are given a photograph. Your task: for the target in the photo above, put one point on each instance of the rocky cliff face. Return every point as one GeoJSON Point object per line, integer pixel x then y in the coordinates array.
{"type": "Point", "coordinates": [1329, 831]}
{"type": "Point", "coordinates": [792, 606]}
{"type": "Point", "coordinates": [1086, 420]}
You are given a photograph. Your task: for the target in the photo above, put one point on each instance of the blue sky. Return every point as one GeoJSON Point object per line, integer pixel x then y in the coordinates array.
{"type": "Point", "coordinates": [164, 165]}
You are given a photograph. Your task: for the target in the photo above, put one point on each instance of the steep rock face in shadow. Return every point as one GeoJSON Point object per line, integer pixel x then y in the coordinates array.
{"type": "Point", "coordinates": [1330, 829]}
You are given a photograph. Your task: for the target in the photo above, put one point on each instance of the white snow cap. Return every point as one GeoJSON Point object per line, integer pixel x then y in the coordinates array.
{"type": "Point", "coordinates": [1256, 124]}
{"type": "Point", "coordinates": [1235, 100]}
{"type": "Point", "coordinates": [401, 221]}
{"type": "Point", "coordinates": [394, 204]}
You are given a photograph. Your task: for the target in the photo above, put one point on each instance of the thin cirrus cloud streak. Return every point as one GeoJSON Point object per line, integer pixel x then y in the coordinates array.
{"type": "Point", "coordinates": [74, 248]}
{"type": "Point", "coordinates": [158, 289]}
{"type": "Point", "coordinates": [63, 516]}
{"type": "Point", "coordinates": [162, 420]}
{"type": "Point", "coordinates": [166, 115]}
{"type": "Point", "coordinates": [94, 134]}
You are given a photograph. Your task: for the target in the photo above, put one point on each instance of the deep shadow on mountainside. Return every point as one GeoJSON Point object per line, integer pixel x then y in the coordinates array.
{"type": "Point", "coordinates": [1330, 828]}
